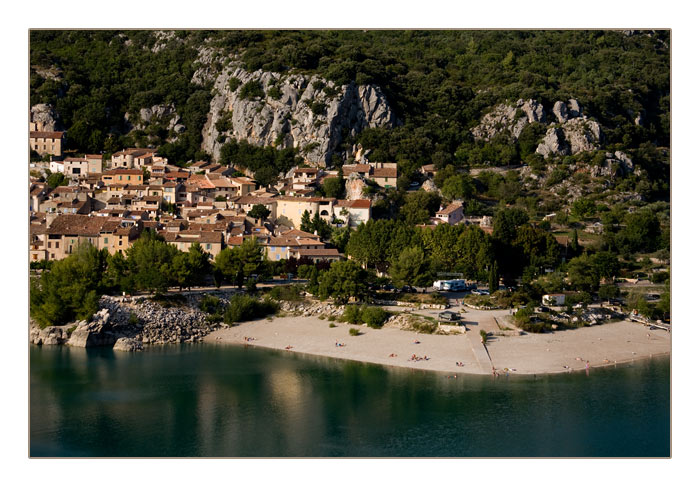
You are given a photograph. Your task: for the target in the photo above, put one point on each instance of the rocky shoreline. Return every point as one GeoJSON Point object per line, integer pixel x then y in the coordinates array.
{"type": "Point", "coordinates": [128, 324]}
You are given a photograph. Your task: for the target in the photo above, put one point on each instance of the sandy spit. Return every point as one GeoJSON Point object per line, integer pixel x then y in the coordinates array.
{"type": "Point", "coordinates": [561, 351]}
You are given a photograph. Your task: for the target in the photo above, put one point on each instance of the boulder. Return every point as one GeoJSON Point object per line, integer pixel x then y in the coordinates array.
{"type": "Point", "coordinates": [574, 108]}
{"type": "Point", "coordinates": [561, 112]}
{"type": "Point", "coordinates": [127, 345]}
{"type": "Point", "coordinates": [429, 186]}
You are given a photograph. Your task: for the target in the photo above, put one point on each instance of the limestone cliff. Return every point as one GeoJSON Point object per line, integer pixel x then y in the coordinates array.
{"type": "Point", "coordinates": [569, 130]}
{"type": "Point", "coordinates": [309, 113]}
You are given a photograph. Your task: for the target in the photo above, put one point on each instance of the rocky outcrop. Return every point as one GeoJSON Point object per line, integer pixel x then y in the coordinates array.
{"type": "Point", "coordinates": [429, 186]}
{"type": "Point", "coordinates": [572, 134]}
{"type": "Point", "coordinates": [569, 132]}
{"type": "Point", "coordinates": [309, 113]}
{"type": "Point", "coordinates": [51, 335]}
{"type": "Point", "coordinates": [354, 187]}
{"type": "Point", "coordinates": [553, 143]}
{"type": "Point", "coordinates": [311, 308]}
{"type": "Point", "coordinates": [96, 333]}
{"type": "Point", "coordinates": [511, 119]}
{"type": "Point", "coordinates": [164, 115]}
{"type": "Point", "coordinates": [46, 115]}
{"type": "Point", "coordinates": [615, 164]}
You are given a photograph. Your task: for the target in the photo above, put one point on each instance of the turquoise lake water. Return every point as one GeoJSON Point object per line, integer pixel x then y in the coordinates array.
{"type": "Point", "coordinates": [203, 400]}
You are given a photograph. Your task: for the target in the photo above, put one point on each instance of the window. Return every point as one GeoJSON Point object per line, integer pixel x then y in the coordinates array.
{"type": "Point", "coordinates": [208, 246]}
{"type": "Point", "coordinates": [106, 240]}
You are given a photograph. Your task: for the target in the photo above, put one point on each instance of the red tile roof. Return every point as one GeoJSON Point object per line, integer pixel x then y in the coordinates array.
{"type": "Point", "coordinates": [46, 135]}
{"type": "Point", "coordinates": [82, 225]}
{"type": "Point", "coordinates": [355, 203]}
{"type": "Point", "coordinates": [385, 172]}
{"type": "Point", "coordinates": [318, 253]}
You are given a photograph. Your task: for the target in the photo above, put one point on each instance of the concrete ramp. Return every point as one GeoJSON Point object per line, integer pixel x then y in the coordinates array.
{"type": "Point", "coordinates": [480, 353]}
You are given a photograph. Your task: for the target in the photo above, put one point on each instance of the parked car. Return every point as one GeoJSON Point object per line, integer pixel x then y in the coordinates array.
{"type": "Point", "coordinates": [449, 316]}
{"type": "Point", "coordinates": [408, 289]}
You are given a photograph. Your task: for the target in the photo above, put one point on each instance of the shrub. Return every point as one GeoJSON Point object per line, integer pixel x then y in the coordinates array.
{"type": "Point", "coordinates": [169, 300]}
{"type": "Point", "coordinates": [354, 332]}
{"type": "Point", "coordinates": [374, 316]}
{"type": "Point", "coordinates": [210, 304]}
{"type": "Point", "coordinates": [133, 320]}
{"type": "Point", "coordinates": [286, 293]}
{"type": "Point", "coordinates": [331, 325]}
{"type": "Point", "coordinates": [274, 92]}
{"type": "Point", "coordinates": [536, 327]}
{"type": "Point", "coordinates": [246, 308]}
{"type": "Point", "coordinates": [484, 336]}
{"type": "Point", "coordinates": [234, 83]}
{"type": "Point", "coordinates": [659, 277]}
{"type": "Point", "coordinates": [252, 89]}
{"type": "Point", "coordinates": [318, 108]}
{"type": "Point", "coordinates": [352, 314]}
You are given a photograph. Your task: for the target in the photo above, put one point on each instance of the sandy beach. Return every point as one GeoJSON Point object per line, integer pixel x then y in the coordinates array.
{"type": "Point", "coordinates": [561, 351]}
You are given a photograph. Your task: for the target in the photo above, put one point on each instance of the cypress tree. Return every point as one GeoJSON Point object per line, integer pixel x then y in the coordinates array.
{"type": "Point", "coordinates": [493, 278]}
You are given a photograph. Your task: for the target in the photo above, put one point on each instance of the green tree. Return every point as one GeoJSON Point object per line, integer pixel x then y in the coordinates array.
{"type": "Point", "coordinates": [56, 179]}
{"type": "Point", "coordinates": [583, 275]}
{"type": "Point", "coordinates": [420, 206]}
{"type": "Point", "coordinates": [150, 260]}
{"type": "Point", "coordinates": [506, 222]}
{"type": "Point", "coordinates": [70, 289]}
{"type": "Point", "coordinates": [641, 232]}
{"type": "Point", "coordinates": [259, 212]}
{"type": "Point", "coordinates": [238, 264]}
{"type": "Point", "coordinates": [411, 267]}
{"type": "Point", "coordinates": [344, 280]}
{"type": "Point", "coordinates": [334, 187]}
{"type": "Point", "coordinates": [608, 291]}
{"type": "Point", "coordinates": [459, 186]}
{"type": "Point", "coordinates": [583, 208]}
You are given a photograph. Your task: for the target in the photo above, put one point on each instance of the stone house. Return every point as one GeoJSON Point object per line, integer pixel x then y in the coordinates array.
{"type": "Point", "coordinates": [75, 167]}
{"type": "Point", "coordinates": [353, 212]}
{"type": "Point", "coordinates": [47, 142]}
{"type": "Point", "coordinates": [132, 158]}
{"type": "Point", "coordinates": [452, 214]}
{"type": "Point", "coordinates": [293, 208]}
{"type": "Point", "coordinates": [122, 176]}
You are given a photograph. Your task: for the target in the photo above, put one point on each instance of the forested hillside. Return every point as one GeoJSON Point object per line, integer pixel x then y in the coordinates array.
{"type": "Point", "coordinates": [439, 82]}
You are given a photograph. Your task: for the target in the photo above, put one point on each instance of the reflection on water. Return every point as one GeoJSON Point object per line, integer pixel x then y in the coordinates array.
{"type": "Point", "coordinates": [209, 400]}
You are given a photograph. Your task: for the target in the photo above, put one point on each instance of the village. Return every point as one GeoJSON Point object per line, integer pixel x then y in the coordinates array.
{"type": "Point", "coordinates": [109, 203]}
